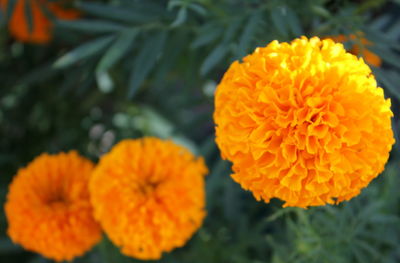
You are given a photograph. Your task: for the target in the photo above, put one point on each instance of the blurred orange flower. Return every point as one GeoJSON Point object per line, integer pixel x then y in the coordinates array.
{"type": "Point", "coordinates": [370, 57]}
{"type": "Point", "coordinates": [48, 207]}
{"type": "Point", "coordinates": [148, 195]}
{"type": "Point", "coordinates": [41, 31]}
{"type": "Point", "coordinates": [304, 122]}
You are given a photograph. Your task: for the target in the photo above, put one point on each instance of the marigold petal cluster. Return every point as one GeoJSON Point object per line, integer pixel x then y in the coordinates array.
{"type": "Point", "coordinates": [48, 207]}
{"type": "Point", "coordinates": [370, 57]}
{"type": "Point", "coordinates": [303, 122]}
{"type": "Point", "coordinates": [41, 31]}
{"type": "Point", "coordinates": [148, 195]}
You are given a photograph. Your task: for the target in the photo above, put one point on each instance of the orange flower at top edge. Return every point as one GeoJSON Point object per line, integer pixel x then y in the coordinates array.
{"type": "Point", "coordinates": [149, 196]}
{"type": "Point", "coordinates": [42, 26]}
{"type": "Point", "coordinates": [48, 207]}
{"type": "Point", "coordinates": [303, 122]}
{"type": "Point", "coordinates": [370, 57]}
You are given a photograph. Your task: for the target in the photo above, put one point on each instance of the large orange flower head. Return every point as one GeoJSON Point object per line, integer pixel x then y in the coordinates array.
{"type": "Point", "coordinates": [148, 195]}
{"type": "Point", "coordinates": [41, 31]}
{"type": "Point", "coordinates": [48, 207]}
{"type": "Point", "coordinates": [303, 122]}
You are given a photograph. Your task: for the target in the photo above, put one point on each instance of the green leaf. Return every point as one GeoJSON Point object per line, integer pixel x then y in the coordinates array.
{"type": "Point", "coordinates": [91, 26]}
{"type": "Point", "coordinates": [279, 213]}
{"type": "Point", "coordinates": [74, 79]}
{"type": "Point", "coordinates": [174, 3]}
{"type": "Point", "coordinates": [380, 218]}
{"type": "Point", "coordinates": [248, 33]}
{"type": "Point", "coordinates": [367, 5]}
{"type": "Point", "coordinates": [321, 11]}
{"type": "Point", "coordinates": [38, 259]}
{"type": "Point", "coordinates": [380, 22]}
{"type": "Point", "coordinates": [44, 8]}
{"type": "Point", "coordinates": [28, 15]}
{"type": "Point", "coordinates": [180, 18]}
{"type": "Point", "coordinates": [124, 14]}
{"type": "Point", "coordinates": [386, 55]}
{"type": "Point", "coordinates": [146, 60]}
{"type": "Point", "coordinates": [110, 253]}
{"type": "Point", "coordinates": [177, 42]}
{"type": "Point", "coordinates": [394, 31]}
{"type": "Point", "coordinates": [198, 9]}
{"type": "Point", "coordinates": [208, 147]}
{"type": "Point", "coordinates": [6, 246]}
{"type": "Point", "coordinates": [153, 123]}
{"type": "Point", "coordinates": [213, 58]}
{"type": "Point", "coordinates": [104, 82]}
{"type": "Point", "coordinates": [232, 201]}
{"type": "Point", "coordinates": [216, 180]}
{"type": "Point", "coordinates": [146, 9]}
{"type": "Point", "coordinates": [286, 22]}
{"type": "Point", "coordinates": [38, 74]}
{"type": "Point", "coordinates": [117, 50]}
{"type": "Point", "coordinates": [293, 22]}
{"type": "Point", "coordinates": [10, 9]}
{"type": "Point", "coordinates": [83, 51]}
{"type": "Point", "coordinates": [232, 29]}
{"type": "Point", "coordinates": [372, 251]}
{"type": "Point", "coordinates": [377, 37]}
{"type": "Point", "coordinates": [206, 35]}
{"type": "Point", "coordinates": [389, 80]}
{"type": "Point", "coordinates": [378, 237]}
{"type": "Point", "coordinates": [278, 19]}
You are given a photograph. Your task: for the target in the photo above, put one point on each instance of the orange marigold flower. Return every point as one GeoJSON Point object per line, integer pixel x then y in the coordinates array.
{"type": "Point", "coordinates": [370, 57]}
{"type": "Point", "coordinates": [148, 195]}
{"type": "Point", "coordinates": [304, 122]}
{"type": "Point", "coordinates": [42, 26]}
{"type": "Point", "coordinates": [48, 207]}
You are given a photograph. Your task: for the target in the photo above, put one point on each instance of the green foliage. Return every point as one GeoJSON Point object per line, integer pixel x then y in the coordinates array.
{"type": "Point", "coordinates": [132, 68]}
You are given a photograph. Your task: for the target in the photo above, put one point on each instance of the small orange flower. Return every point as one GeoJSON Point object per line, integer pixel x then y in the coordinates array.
{"type": "Point", "coordinates": [42, 26]}
{"type": "Point", "coordinates": [304, 122]}
{"type": "Point", "coordinates": [370, 57]}
{"type": "Point", "coordinates": [48, 207]}
{"type": "Point", "coordinates": [148, 195]}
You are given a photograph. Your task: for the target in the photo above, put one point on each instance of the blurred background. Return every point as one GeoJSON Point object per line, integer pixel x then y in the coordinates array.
{"type": "Point", "coordinates": [133, 68]}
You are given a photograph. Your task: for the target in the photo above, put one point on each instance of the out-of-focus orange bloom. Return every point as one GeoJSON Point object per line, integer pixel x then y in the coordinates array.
{"type": "Point", "coordinates": [149, 196]}
{"type": "Point", "coordinates": [42, 26]}
{"type": "Point", "coordinates": [370, 57]}
{"type": "Point", "coordinates": [48, 207]}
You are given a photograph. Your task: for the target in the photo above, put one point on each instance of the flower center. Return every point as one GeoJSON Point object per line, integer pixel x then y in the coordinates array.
{"type": "Point", "coordinates": [147, 187]}
{"type": "Point", "coordinates": [56, 199]}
